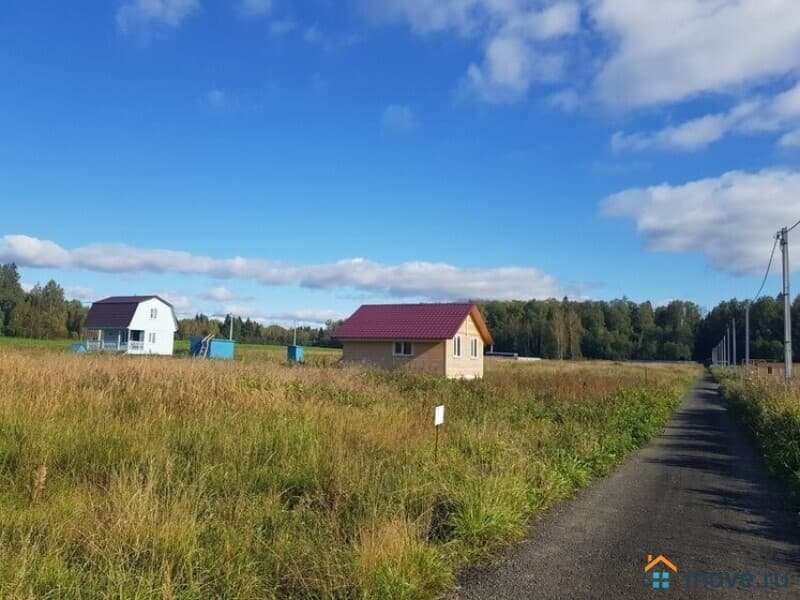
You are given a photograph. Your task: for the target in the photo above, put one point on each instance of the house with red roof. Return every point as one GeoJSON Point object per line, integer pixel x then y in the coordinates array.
{"type": "Point", "coordinates": [442, 338]}
{"type": "Point", "coordinates": [131, 325]}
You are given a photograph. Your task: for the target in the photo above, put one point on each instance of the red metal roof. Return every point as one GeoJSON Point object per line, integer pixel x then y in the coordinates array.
{"type": "Point", "coordinates": [410, 322]}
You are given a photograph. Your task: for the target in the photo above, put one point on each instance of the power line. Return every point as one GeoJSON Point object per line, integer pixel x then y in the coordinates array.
{"type": "Point", "coordinates": [793, 226]}
{"type": "Point", "coordinates": [769, 265]}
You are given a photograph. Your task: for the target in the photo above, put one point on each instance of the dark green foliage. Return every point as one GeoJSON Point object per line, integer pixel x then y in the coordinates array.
{"type": "Point", "coordinates": [11, 295]}
{"type": "Point", "coordinates": [766, 327]}
{"type": "Point", "coordinates": [615, 330]}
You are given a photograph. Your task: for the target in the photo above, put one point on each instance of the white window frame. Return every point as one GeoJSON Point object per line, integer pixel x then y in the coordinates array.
{"type": "Point", "coordinates": [473, 347]}
{"type": "Point", "coordinates": [151, 337]}
{"type": "Point", "coordinates": [153, 313]}
{"type": "Point", "coordinates": [403, 347]}
{"type": "Point", "coordinates": [457, 346]}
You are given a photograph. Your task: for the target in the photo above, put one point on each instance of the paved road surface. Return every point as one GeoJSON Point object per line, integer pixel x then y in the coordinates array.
{"type": "Point", "coordinates": [697, 494]}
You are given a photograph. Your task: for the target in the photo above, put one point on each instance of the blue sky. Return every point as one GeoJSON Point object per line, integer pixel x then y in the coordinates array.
{"type": "Point", "coordinates": [287, 160]}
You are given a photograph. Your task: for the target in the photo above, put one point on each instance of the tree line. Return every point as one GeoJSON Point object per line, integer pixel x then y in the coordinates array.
{"type": "Point", "coordinates": [45, 313]}
{"type": "Point", "coordinates": [248, 331]}
{"type": "Point", "coordinates": [558, 329]}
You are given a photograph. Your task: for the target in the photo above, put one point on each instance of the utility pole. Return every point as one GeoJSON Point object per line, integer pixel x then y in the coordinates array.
{"type": "Point", "coordinates": [725, 350]}
{"type": "Point", "coordinates": [747, 334]}
{"type": "Point", "coordinates": [730, 346]}
{"type": "Point", "coordinates": [733, 329]}
{"type": "Point", "coordinates": [787, 307]}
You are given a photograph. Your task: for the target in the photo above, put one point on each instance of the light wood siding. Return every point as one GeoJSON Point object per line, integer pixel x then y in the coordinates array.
{"type": "Point", "coordinates": [428, 357]}
{"type": "Point", "coordinates": [465, 366]}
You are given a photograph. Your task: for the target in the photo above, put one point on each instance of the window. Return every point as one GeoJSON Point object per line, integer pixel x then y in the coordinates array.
{"type": "Point", "coordinates": [457, 346]}
{"type": "Point", "coordinates": [403, 349]}
{"type": "Point", "coordinates": [153, 313]}
{"type": "Point", "coordinates": [151, 337]}
{"type": "Point", "coordinates": [473, 347]}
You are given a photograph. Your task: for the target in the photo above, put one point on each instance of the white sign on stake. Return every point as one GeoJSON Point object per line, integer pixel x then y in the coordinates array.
{"type": "Point", "coordinates": [438, 415]}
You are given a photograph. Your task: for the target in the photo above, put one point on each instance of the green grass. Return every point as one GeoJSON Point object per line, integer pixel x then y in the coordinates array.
{"type": "Point", "coordinates": [136, 477]}
{"type": "Point", "coordinates": [770, 410]}
{"type": "Point", "coordinates": [245, 352]}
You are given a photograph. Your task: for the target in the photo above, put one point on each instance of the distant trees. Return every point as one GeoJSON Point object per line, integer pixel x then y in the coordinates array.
{"type": "Point", "coordinates": [766, 328]}
{"type": "Point", "coordinates": [252, 332]}
{"type": "Point", "coordinates": [615, 330]}
{"type": "Point", "coordinates": [42, 314]}
{"type": "Point", "coordinates": [11, 295]}
{"type": "Point", "coordinates": [562, 329]}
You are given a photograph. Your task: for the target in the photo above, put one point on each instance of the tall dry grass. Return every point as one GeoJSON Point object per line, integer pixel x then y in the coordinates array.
{"type": "Point", "coordinates": [770, 410]}
{"type": "Point", "coordinates": [171, 478]}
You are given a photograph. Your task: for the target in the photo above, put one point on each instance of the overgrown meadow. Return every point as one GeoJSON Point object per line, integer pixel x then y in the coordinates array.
{"type": "Point", "coordinates": [770, 410]}
{"type": "Point", "coordinates": [138, 477]}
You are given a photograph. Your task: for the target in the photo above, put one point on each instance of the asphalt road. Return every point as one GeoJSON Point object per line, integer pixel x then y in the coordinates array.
{"type": "Point", "coordinates": [697, 494]}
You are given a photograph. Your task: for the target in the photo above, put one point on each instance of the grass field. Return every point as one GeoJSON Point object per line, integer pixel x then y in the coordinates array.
{"type": "Point", "coordinates": [244, 352]}
{"type": "Point", "coordinates": [142, 477]}
{"type": "Point", "coordinates": [771, 411]}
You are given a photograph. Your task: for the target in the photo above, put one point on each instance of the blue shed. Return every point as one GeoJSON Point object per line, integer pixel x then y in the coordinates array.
{"type": "Point", "coordinates": [211, 348]}
{"type": "Point", "coordinates": [222, 349]}
{"type": "Point", "coordinates": [294, 354]}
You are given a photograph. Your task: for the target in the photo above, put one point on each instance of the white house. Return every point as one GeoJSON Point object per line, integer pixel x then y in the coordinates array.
{"type": "Point", "coordinates": [131, 325]}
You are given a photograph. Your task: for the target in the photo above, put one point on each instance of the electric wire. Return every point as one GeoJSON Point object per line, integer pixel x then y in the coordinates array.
{"type": "Point", "coordinates": [769, 266]}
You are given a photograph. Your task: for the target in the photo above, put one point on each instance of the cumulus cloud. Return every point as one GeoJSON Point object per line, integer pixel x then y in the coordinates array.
{"type": "Point", "coordinates": [790, 140]}
{"type": "Point", "coordinates": [755, 115]}
{"type": "Point", "coordinates": [731, 219]}
{"type": "Point", "coordinates": [184, 306]}
{"type": "Point", "coordinates": [516, 37]}
{"type": "Point", "coordinates": [252, 9]}
{"type": "Point", "coordinates": [409, 279]}
{"type": "Point", "coordinates": [144, 15]}
{"type": "Point", "coordinates": [641, 56]}
{"type": "Point", "coordinates": [220, 294]}
{"type": "Point", "coordinates": [78, 292]}
{"type": "Point", "coordinates": [689, 47]}
{"type": "Point", "coordinates": [398, 118]}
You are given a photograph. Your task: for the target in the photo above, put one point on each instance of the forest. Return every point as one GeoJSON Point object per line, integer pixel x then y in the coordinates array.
{"type": "Point", "coordinates": [557, 329]}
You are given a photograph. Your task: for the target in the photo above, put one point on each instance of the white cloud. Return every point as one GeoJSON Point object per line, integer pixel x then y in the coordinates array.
{"type": "Point", "coordinates": [682, 48]}
{"type": "Point", "coordinates": [627, 53]}
{"type": "Point", "coordinates": [756, 115]}
{"type": "Point", "coordinates": [78, 292]}
{"type": "Point", "coordinates": [790, 140]}
{"type": "Point", "coordinates": [26, 287]}
{"type": "Point", "coordinates": [220, 294]}
{"type": "Point", "coordinates": [329, 43]}
{"type": "Point", "coordinates": [183, 304]}
{"type": "Point", "coordinates": [409, 279]}
{"type": "Point", "coordinates": [566, 100]}
{"type": "Point", "coordinates": [216, 98]}
{"type": "Point", "coordinates": [398, 118]}
{"type": "Point", "coordinates": [516, 35]}
{"type": "Point", "coordinates": [143, 15]}
{"type": "Point", "coordinates": [281, 27]}
{"type": "Point", "coordinates": [252, 9]}
{"type": "Point", "coordinates": [731, 219]}
{"type": "Point", "coordinates": [691, 135]}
